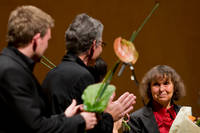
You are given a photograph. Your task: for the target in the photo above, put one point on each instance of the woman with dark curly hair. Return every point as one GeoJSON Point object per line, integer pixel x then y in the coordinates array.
{"type": "Point", "coordinates": [161, 86]}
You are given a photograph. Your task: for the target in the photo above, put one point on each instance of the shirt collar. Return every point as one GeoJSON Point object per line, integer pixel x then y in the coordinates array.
{"type": "Point", "coordinates": [28, 61]}
{"type": "Point", "coordinates": [74, 58]}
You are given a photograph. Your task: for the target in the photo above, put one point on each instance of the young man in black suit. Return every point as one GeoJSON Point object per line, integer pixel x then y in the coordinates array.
{"type": "Point", "coordinates": [23, 103]}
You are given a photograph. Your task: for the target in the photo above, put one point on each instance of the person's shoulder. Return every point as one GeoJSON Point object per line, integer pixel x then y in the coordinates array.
{"type": "Point", "coordinates": [72, 70]}
{"type": "Point", "coordinates": [4, 59]}
{"type": "Point", "coordinates": [139, 112]}
{"type": "Point", "coordinates": [70, 66]}
{"type": "Point", "coordinates": [7, 63]}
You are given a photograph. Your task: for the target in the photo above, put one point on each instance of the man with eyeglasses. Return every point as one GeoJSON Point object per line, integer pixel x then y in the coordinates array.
{"type": "Point", "coordinates": [24, 105]}
{"type": "Point", "coordinates": [69, 79]}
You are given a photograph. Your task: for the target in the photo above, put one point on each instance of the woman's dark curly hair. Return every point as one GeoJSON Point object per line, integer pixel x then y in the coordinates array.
{"type": "Point", "coordinates": [162, 72]}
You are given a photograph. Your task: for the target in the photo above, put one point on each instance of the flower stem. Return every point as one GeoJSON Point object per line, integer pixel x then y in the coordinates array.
{"type": "Point", "coordinates": [50, 66]}
{"type": "Point", "coordinates": [106, 81]}
{"type": "Point", "coordinates": [135, 33]}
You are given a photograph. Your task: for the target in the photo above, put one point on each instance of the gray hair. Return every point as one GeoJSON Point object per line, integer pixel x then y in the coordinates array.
{"type": "Point", "coordinates": [82, 32]}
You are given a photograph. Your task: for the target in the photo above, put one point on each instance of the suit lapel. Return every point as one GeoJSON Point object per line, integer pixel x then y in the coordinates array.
{"type": "Point", "coordinates": [177, 108]}
{"type": "Point", "coordinates": [149, 120]}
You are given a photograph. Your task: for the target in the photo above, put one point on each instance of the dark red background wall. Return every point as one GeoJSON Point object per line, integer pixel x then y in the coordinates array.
{"type": "Point", "coordinates": [170, 37]}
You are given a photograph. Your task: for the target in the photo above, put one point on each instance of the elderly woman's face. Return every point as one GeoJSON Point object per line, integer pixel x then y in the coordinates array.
{"type": "Point", "coordinates": [162, 91]}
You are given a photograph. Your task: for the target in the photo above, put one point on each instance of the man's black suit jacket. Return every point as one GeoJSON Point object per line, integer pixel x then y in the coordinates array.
{"type": "Point", "coordinates": [23, 103]}
{"type": "Point", "coordinates": [68, 81]}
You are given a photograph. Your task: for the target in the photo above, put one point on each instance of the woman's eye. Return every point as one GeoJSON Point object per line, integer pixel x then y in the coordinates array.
{"type": "Point", "coordinates": [156, 84]}
{"type": "Point", "coordinates": [166, 83]}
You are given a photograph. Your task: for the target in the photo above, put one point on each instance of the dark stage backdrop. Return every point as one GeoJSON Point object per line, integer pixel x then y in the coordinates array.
{"type": "Point", "coordinates": [170, 37]}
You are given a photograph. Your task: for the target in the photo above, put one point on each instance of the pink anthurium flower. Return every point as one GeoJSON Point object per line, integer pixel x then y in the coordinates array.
{"type": "Point", "coordinates": [125, 50]}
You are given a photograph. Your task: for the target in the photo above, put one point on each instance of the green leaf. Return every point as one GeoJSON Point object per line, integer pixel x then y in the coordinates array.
{"type": "Point", "coordinates": [198, 122]}
{"type": "Point", "coordinates": [90, 94]}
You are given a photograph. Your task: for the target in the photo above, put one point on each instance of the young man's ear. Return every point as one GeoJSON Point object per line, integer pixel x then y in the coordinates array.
{"type": "Point", "coordinates": [35, 41]}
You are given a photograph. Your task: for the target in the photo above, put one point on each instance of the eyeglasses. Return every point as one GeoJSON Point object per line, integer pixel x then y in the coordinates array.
{"type": "Point", "coordinates": [103, 44]}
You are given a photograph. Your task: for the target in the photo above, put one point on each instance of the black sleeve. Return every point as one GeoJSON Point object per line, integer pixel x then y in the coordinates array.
{"type": "Point", "coordinates": [105, 124]}
{"type": "Point", "coordinates": [19, 92]}
{"type": "Point", "coordinates": [56, 87]}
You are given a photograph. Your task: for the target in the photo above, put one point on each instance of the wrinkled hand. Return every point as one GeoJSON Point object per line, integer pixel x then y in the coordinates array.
{"type": "Point", "coordinates": [121, 106]}
{"type": "Point", "coordinates": [72, 109]}
{"type": "Point", "coordinates": [90, 119]}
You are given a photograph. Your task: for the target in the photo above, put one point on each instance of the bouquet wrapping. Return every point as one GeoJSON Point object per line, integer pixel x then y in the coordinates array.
{"type": "Point", "coordinates": [182, 123]}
